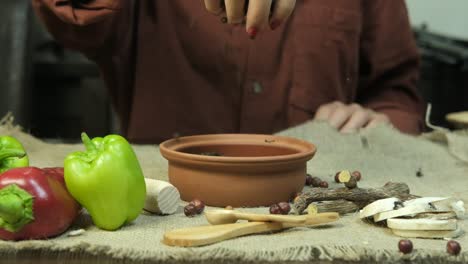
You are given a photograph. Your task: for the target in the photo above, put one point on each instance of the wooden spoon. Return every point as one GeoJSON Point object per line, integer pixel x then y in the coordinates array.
{"type": "Point", "coordinates": [205, 235]}
{"type": "Point", "coordinates": [222, 216]}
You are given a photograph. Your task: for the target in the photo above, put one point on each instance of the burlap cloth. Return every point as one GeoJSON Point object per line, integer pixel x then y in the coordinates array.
{"type": "Point", "coordinates": [382, 154]}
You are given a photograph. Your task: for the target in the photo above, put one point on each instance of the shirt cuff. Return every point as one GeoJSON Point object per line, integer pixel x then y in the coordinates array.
{"type": "Point", "coordinates": [405, 122]}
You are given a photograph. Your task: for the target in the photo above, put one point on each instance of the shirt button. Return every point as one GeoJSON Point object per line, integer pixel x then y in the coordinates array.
{"type": "Point", "coordinates": [257, 87]}
{"type": "Point", "coordinates": [176, 135]}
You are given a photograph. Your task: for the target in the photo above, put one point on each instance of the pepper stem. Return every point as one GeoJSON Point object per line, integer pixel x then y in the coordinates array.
{"type": "Point", "coordinates": [87, 142]}
{"type": "Point", "coordinates": [11, 153]}
{"type": "Point", "coordinates": [16, 208]}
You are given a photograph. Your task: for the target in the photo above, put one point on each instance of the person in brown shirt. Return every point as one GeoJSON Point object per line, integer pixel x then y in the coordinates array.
{"type": "Point", "coordinates": [173, 68]}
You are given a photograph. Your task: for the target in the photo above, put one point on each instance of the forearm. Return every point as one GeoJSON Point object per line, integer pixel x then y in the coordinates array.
{"type": "Point", "coordinates": [406, 122]}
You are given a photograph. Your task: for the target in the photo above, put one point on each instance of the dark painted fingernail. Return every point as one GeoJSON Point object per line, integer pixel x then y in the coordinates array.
{"type": "Point", "coordinates": [252, 32]}
{"type": "Point", "coordinates": [275, 24]}
{"type": "Point", "coordinates": [224, 20]}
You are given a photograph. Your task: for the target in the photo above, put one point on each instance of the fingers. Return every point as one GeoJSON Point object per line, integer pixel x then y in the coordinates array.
{"type": "Point", "coordinates": [257, 16]}
{"type": "Point", "coordinates": [235, 11]}
{"type": "Point", "coordinates": [214, 6]}
{"type": "Point", "coordinates": [341, 115]}
{"type": "Point", "coordinates": [378, 119]}
{"type": "Point", "coordinates": [324, 111]}
{"type": "Point", "coordinates": [282, 9]}
{"type": "Point", "coordinates": [349, 118]}
{"type": "Point", "coordinates": [358, 119]}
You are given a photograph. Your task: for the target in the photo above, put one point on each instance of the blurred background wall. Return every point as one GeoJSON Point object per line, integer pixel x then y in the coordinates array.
{"type": "Point", "coordinates": [52, 92]}
{"type": "Point", "coordinates": [441, 29]}
{"type": "Point", "coordinates": [56, 93]}
{"type": "Point", "coordinates": [443, 17]}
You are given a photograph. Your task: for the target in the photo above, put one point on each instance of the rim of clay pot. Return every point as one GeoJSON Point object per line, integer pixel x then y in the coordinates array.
{"type": "Point", "coordinates": [303, 149]}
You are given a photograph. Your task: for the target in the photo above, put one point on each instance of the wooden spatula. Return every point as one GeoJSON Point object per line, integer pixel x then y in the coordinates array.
{"type": "Point", "coordinates": [205, 235]}
{"type": "Point", "coordinates": [223, 216]}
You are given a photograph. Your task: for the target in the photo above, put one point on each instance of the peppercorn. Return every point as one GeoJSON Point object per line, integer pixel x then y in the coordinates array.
{"type": "Point", "coordinates": [275, 209]}
{"type": "Point", "coordinates": [190, 210]}
{"type": "Point", "coordinates": [199, 205]}
{"type": "Point", "coordinates": [352, 183]}
{"type": "Point", "coordinates": [323, 184]}
{"type": "Point", "coordinates": [419, 173]}
{"type": "Point", "coordinates": [280, 208]}
{"type": "Point", "coordinates": [337, 179]}
{"type": "Point", "coordinates": [356, 175]}
{"type": "Point", "coordinates": [285, 207]}
{"type": "Point", "coordinates": [316, 181]}
{"type": "Point", "coordinates": [308, 180]}
{"type": "Point", "coordinates": [405, 246]}
{"type": "Point", "coordinates": [453, 247]}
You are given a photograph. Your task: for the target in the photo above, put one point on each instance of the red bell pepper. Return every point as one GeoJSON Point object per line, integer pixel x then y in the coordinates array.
{"type": "Point", "coordinates": [35, 204]}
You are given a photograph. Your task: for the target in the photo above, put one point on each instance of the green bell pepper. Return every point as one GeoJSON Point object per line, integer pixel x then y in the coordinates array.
{"type": "Point", "coordinates": [107, 180]}
{"type": "Point", "coordinates": [12, 154]}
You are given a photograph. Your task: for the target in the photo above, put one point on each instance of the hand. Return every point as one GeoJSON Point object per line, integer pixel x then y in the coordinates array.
{"type": "Point", "coordinates": [349, 118]}
{"type": "Point", "coordinates": [258, 13]}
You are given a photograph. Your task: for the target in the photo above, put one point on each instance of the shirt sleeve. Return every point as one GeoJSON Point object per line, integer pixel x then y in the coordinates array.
{"type": "Point", "coordinates": [389, 65]}
{"type": "Point", "coordinates": [83, 25]}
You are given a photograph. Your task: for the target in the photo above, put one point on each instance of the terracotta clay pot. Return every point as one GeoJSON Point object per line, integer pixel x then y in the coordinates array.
{"type": "Point", "coordinates": [250, 170]}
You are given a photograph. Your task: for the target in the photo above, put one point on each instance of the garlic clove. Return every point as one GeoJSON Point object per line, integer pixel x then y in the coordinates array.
{"type": "Point", "coordinates": [459, 209]}
{"type": "Point", "coordinates": [437, 215]}
{"type": "Point", "coordinates": [421, 224]}
{"type": "Point", "coordinates": [409, 210]}
{"type": "Point", "coordinates": [428, 233]}
{"type": "Point", "coordinates": [379, 206]}
{"type": "Point", "coordinates": [425, 200]}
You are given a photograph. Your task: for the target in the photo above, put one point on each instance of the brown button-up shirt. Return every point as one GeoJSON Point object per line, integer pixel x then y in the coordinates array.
{"type": "Point", "coordinates": [173, 68]}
